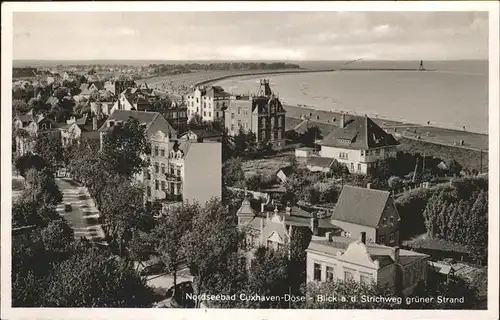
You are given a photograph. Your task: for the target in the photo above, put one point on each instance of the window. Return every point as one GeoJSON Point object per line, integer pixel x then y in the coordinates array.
{"type": "Point", "coordinates": [209, 113]}
{"type": "Point", "coordinates": [362, 152]}
{"type": "Point", "coordinates": [377, 152]}
{"type": "Point", "coordinates": [239, 123]}
{"type": "Point", "coordinates": [172, 169]}
{"type": "Point", "coordinates": [329, 273]}
{"type": "Point", "coordinates": [381, 239]}
{"type": "Point", "coordinates": [392, 238]}
{"type": "Point", "coordinates": [352, 166]}
{"type": "Point", "coordinates": [156, 151]}
{"type": "Point", "coordinates": [269, 244]}
{"type": "Point", "coordinates": [163, 168]}
{"type": "Point", "coordinates": [178, 172]}
{"type": "Point", "coordinates": [204, 104]}
{"type": "Point", "coordinates": [157, 168]}
{"type": "Point", "coordinates": [157, 185]}
{"type": "Point", "coordinates": [146, 174]}
{"type": "Point", "coordinates": [365, 278]}
{"type": "Point", "coordinates": [317, 272]}
{"type": "Point", "coordinates": [204, 113]}
{"type": "Point", "coordinates": [148, 191]}
{"type": "Point", "coordinates": [232, 127]}
{"type": "Point", "coordinates": [348, 275]}
{"type": "Point", "coordinates": [343, 155]}
{"type": "Point", "coordinates": [359, 166]}
{"type": "Point", "coordinates": [163, 185]}
{"type": "Point", "coordinates": [162, 152]}
{"type": "Point", "coordinates": [197, 100]}
{"type": "Point", "coordinates": [217, 114]}
{"type": "Point", "coordinates": [239, 110]}
{"type": "Point", "coordinates": [232, 115]}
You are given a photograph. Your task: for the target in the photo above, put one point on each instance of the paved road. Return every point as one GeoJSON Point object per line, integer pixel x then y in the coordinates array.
{"type": "Point", "coordinates": [84, 214]}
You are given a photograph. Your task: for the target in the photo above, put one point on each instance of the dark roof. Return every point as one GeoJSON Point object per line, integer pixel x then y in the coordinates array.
{"type": "Point", "coordinates": [288, 170]}
{"type": "Point", "coordinates": [124, 115]}
{"type": "Point", "coordinates": [360, 206]}
{"type": "Point", "coordinates": [321, 162]}
{"type": "Point", "coordinates": [206, 133]}
{"type": "Point", "coordinates": [359, 133]}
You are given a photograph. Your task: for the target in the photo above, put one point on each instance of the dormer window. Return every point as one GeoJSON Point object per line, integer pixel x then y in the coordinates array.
{"type": "Point", "coordinates": [346, 141]}
{"type": "Point", "coordinates": [111, 123]}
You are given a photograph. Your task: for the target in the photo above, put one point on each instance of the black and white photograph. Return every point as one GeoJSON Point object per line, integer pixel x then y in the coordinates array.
{"type": "Point", "coordinates": [258, 156]}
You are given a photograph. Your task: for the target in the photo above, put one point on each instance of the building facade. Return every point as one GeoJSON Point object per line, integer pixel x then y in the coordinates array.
{"type": "Point", "coordinates": [347, 259]}
{"type": "Point", "coordinates": [370, 211]}
{"type": "Point", "coordinates": [359, 143]}
{"type": "Point", "coordinates": [28, 127]}
{"type": "Point", "coordinates": [207, 102]}
{"type": "Point", "coordinates": [263, 114]}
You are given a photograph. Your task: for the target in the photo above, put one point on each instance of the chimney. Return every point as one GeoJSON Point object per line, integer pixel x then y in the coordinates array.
{"type": "Point", "coordinates": [396, 254]}
{"type": "Point", "coordinates": [267, 215]}
{"type": "Point", "coordinates": [288, 210]}
{"type": "Point", "coordinates": [329, 236]}
{"type": "Point", "coordinates": [314, 225]}
{"type": "Point", "coordinates": [262, 205]}
{"type": "Point", "coordinates": [368, 186]}
{"type": "Point", "coordinates": [342, 120]}
{"type": "Point", "coordinates": [363, 237]}
{"type": "Point", "coordinates": [94, 123]}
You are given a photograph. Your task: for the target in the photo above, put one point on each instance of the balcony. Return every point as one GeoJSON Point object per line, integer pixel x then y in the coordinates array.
{"type": "Point", "coordinates": [173, 198]}
{"type": "Point", "coordinates": [172, 177]}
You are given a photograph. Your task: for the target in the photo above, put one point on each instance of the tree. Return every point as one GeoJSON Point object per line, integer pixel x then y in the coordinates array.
{"type": "Point", "coordinates": [196, 122]}
{"type": "Point", "coordinates": [240, 142]}
{"type": "Point", "coordinates": [58, 238]}
{"type": "Point", "coordinates": [29, 161]}
{"type": "Point", "coordinates": [232, 172]}
{"type": "Point", "coordinates": [19, 106]}
{"type": "Point", "coordinates": [124, 147]}
{"type": "Point", "coordinates": [299, 242]}
{"type": "Point", "coordinates": [268, 276]}
{"type": "Point", "coordinates": [122, 209]}
{"type": "Point", "coordinates": [42, 188]}
{"type": "Point", "coordinates": [209, 244]}
{"type": "Point", "coordinates": [253, 182]}
{"type": "Point", "coordinates": [309, 137]}
{"type": "Point", "coordinates": [169, 232]}
{"type": "Point", "coordinates": [454, 167]}
{"type": "Point", "coordinates": [27, 212]}
{"type": "Point", "coordinates": [94, 278]}
{"type": "Point", "coordinates": [50, 149]}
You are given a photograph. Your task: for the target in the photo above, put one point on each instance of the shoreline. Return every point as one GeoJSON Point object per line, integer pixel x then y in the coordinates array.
{"type": "Point", "coordinates": [427, 133]}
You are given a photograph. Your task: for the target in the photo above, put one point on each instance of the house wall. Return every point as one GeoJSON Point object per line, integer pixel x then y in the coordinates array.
{"type": "Point", "coordinates": [314, 168]}
{"type": "Point", "coordinates": [355, 229]}
{"type": "Point", "coordinates": [358, 161]}
{"type": "Point", "coordinates": [339, 267]}
{"type": "Point", "coordinates": [239, 114]}
{"type": "Point", "coordinates": [386, 227]}
{"type": "Point", "coordinates": [158, 183]}
{"type": "Point", "coordinates": [209, 108]}
{"type": "Point", "coordinates": [202, 182]}
{"type": "Point", "coordinates": [302, 153]}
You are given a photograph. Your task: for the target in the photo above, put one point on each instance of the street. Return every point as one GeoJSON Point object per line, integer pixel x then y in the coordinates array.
{"type": "Point", "coordinates": [83, 218]}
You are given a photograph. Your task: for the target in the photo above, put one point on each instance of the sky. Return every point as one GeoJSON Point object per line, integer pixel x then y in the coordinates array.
{"type": "Point", "coordinates": [250, 35]}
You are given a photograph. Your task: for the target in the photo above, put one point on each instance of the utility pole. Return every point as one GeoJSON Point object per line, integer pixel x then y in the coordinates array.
{"type": "Point", "coordinates": [423, 163]}
{"type": "Point", "coordinates": [415, 172]}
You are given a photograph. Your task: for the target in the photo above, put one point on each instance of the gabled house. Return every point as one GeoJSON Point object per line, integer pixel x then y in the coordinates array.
{"type": "Point", "coordinates": [208, 102]}
{"type": "Point", "coordinates": [274, 228]}
{"type": "Point", "coordinates": [348, 259]}
{"type": "Point", "coordinates": [31, 126]}
{"type": "Point", "coordinates": [367, 210]}
{"type": "Point", "coordinates": [320, 164]}
{"type": "Point", "coordinates": [201, 135]}
{"type": "Point", "coordinates": [77, 129]}
{"type": "Point", "coordinates": [262, 114]}
{"type": "Point", "coordinates": [284, 173]}
{"type": "Point", "coordinates": [359, 143]}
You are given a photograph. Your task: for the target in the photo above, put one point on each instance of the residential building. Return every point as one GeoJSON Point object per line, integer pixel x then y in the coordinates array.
{"type": "Point", "coordinates": [118, 86]}
{"type": "Point", "coordinates": [101, 108]}
{"type": "Point", "coordinates": [274, 228]}
{"type": "Point", "coordinates": [359, 143]}
{"type": "Point", "coordinates": [262, 114]}
{"type": "Point", "coordinates": [189, 181]}
{"type": "Point", "coordinates": [370, 211]}
{"type": "Point", "coordinates": [135, 99]}
{"type": "Point", "coordinates": [200, 135]}
{"type": "Point", "coordinates": [176, 115]}
{"type": "Point", "coordinates": [78, 129]}
{"type": "Point", "coordinates": [208, 102]}
{"type": "Point", "coordinates": [159, 133]}
{"type": "Point", "coordinates": [29, 126]}
{"type": "Point", "coordinates": [284, 173]}
{"type": "Point", "coordinates": [174, 175]}
{"type": "Point", "coordinates": [347, 259]}
{"type": "Point", "coordinates": [304, 152]}
{"type": "Point", "coordinates": [320, 164]}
